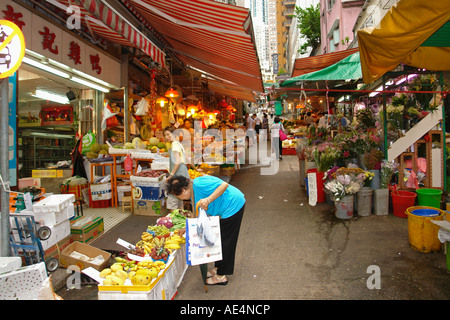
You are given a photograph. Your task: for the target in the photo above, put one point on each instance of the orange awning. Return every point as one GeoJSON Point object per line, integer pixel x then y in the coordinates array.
{"type": "Point", "coordinates": [211, 37]}
{"type": "Point", "coordinates": [319, 62]}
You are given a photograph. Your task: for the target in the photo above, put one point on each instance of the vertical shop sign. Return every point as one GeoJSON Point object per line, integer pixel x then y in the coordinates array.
{"type": "Point", "coordinates": [12, 130]}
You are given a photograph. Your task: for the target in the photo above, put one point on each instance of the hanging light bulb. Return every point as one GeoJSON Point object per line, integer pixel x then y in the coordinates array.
{"type": "Point", "coordinates": [171, 93]}
{"type": "Point", "coordinates": [161, 101]}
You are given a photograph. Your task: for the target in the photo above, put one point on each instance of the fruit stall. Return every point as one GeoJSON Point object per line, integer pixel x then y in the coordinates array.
{"type": "Point", "coordinates": [150, 269]}
{"type": "Point", "coordinates": [138, 167]}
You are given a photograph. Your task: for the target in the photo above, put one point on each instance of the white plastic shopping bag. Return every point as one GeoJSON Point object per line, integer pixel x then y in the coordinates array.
{"type": "Point", "coordinates": [196, 253]}
{"type": "Point", "coordinates": [207, 236]}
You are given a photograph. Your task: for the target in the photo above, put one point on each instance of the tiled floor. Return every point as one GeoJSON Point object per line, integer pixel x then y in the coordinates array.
{"type": "Point", "coordinates": [111, 216]}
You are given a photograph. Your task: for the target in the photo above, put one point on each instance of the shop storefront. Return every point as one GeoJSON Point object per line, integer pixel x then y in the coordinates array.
{"type": "Point", "coordinates": [60, 89]}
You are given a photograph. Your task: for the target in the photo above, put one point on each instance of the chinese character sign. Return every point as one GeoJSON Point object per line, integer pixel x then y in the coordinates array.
{"type": "Point", "coordinates": [48, 39]}
{"type": "Point", "coordinates": [95, 62]}
{"type": "Point", "coordinates": [75, 52]}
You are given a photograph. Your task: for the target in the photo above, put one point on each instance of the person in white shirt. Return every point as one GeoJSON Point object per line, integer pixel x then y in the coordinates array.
{"type": "Point", "coordinates": [276, 141]}
{"type": "Point", "coordinates": [250, 130]}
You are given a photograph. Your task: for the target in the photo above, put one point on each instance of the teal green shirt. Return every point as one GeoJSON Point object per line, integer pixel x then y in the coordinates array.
{"type": "Point", "coordinates": [226, 205]}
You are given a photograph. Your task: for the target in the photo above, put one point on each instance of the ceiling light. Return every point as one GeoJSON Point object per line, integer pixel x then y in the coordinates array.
{"type": "Point", "coordinates": [44, 67]}
{"type": "Point", "coordinates": [50, 96]}
{"type": "Point", "coordinates": [89, 84]}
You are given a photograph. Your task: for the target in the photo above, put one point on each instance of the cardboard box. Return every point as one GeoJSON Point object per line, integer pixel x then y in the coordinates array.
{"type": "Point", "coordinates": [85, 249]}
{"type": "Point", "coordinates": [55, 250]}
{"type": "Point", "coordinates": [149, 208]}
{"type": "Point", "coordinates": [86, 231]}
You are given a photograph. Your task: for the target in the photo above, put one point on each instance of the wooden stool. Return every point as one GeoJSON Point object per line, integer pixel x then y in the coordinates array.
{"type": "Point", "coordinates": [127, 202]}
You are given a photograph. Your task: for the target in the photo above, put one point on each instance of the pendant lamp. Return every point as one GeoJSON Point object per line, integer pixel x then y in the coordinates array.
{"type": "Point", "coordinates": [171, 93]}
{"type": "Point", "coordinates": [161, 101]}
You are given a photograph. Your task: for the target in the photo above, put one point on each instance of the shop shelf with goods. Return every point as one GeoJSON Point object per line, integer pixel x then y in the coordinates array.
{"type": "Point", "coordinates": [117, 101]}
{"type": "Point", "coordinates": [41, 149]}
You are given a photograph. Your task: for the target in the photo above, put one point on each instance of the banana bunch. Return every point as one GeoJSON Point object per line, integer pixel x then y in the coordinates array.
{"type": "Point", "coordinates": [173, 242]}
{"type": "Point", "coordinates": [158, 243]}
{"type": "Point", "coordinates": [148, 264]}
{"type": "Point", "coordinates": [124, 263]}
{"type": "Point", "coordinates": [146, 242]}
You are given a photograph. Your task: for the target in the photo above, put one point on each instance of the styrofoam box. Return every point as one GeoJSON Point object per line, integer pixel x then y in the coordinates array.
{"type": "Point", "coordinates": [58, 232]}
{"type": "Point", "coordinates": [143, 154]}
{"type": "Point", "coordinates": [160, 165]}
{"type": "Point", "coordinates": [8, 264]}
{"type": "Point", "coordinates": [137, 180]}
{"type": "Point", "coordinates": [23, 283]}
{"type": "Point", "coordinates": [135, 295]}
{"type": "Point", "coordinates": [54, 203]}
{"type": "Point", "coordinates": [53, 218]}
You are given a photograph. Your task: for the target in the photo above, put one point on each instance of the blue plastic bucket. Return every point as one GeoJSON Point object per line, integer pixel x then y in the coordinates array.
{"type": "Point", "coordinates": [425, 212]}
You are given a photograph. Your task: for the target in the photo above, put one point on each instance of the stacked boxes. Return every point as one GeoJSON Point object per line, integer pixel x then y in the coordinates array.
{"type": "Point", "coordinates": [55, 212]}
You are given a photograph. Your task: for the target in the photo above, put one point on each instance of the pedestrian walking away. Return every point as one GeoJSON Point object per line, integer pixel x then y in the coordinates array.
{"type": "Point", "coordinates": [217, 198]}
{"type": "Point", "coordinates": [276, 141]}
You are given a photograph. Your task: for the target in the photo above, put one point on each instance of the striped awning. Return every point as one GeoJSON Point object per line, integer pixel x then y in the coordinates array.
{"type": "Point", "coordinates": [232, 91]}
{"type": "Point", "coordinates": [103, 21]}
{"type": "Point", "coordinates": [211, 37]}
{"type": "Point", "coordinates": [319, 62]}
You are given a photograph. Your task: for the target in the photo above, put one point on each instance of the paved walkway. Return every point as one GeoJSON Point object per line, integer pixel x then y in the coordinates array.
{"type": "Point", "coordinates": [289, 250]}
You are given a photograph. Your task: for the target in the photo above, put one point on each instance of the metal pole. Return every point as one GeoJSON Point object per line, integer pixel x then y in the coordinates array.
{"type": "Point", "coordinates": [385, 120]}
{"type": "Point", "coordinates": [4, 168]}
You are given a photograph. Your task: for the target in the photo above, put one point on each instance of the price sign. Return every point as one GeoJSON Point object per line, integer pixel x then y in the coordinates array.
{"type": "Point", "coordinates": [312, 188]}
{"type": "Point", "coordinates": [12, 48]}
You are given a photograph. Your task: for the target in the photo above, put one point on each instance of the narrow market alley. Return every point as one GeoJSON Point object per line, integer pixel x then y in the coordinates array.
{"type": "Point", "coordinates": [289, 250]}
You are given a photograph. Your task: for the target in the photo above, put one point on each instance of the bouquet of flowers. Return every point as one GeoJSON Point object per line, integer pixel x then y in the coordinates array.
{"type": "Point", "coordinates": [372, 159]}
{"type": "Point", "coordinates": [387, 170]}
{"type": "Point", "coordinates": [325, 155]}
{"type": "Point", "coordinates": [346, 181]}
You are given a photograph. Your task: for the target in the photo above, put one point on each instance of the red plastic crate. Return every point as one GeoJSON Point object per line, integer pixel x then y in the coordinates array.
{"type": "Point", "coordinates": [289, 151]}
{"type": "Point", "coordinates": [99, 203]}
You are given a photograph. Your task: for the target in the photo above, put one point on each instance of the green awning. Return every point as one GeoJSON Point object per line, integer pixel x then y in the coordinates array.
{"type": "Point", "coordinates": [348, 68]}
